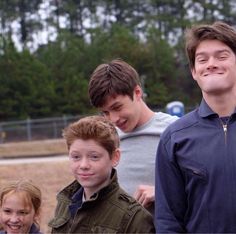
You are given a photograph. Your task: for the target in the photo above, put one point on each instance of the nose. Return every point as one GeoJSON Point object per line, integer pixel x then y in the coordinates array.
{"type": "Point", "coordinates": [113, 117]}
{"type": "Point", "coordinates": [14, 218]}
{"type": "Point", "coordinates": [84, 163]}
{"type": "Point", "coordinates": [211, 63]}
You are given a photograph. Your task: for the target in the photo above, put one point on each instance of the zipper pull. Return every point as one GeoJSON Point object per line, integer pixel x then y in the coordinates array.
{"type": "Point", "coordinates": [225, 131]}
{"type": "Point", "coordinates": [225, 128]}
{"type": "Point", "coordinates": [224, 123]}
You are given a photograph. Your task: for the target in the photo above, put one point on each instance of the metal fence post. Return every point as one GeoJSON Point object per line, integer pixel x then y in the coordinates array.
{"type": "Point", "coordinates": [34, 129]}
{"type": "Point", "coordinates": [1, 136]}
{"type": "Point", "coordinates": [29, 135]}
{"type": "Point", "coordinates": [65, 120]}
{"type": "Point", "coordinates": [55, 130]}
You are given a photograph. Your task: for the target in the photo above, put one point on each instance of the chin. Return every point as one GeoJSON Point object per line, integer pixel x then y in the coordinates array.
{"type": "Point", "coordinates": [126, 130]}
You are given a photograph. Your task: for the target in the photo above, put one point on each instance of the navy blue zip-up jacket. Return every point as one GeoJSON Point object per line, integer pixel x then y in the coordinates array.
{"type": "Point", "coordinates": [196, 174]}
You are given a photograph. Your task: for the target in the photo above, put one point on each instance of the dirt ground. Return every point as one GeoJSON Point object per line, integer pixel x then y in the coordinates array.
{"type": "Point", "coordinates": [33, 148]}
{"type": "Point", "coordinates": [51, 177]}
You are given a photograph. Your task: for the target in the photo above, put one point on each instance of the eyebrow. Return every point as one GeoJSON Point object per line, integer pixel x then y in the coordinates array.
{"type": "Point", "coordinates": [112, 106]}
{"type": "Point", "coordinates": [115, 104]}
{"type": "Point", "coordinates": [215, 52]}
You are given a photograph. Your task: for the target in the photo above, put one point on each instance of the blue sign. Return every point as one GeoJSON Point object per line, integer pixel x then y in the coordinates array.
{"type": "Point", "coordinates": [175, 108]}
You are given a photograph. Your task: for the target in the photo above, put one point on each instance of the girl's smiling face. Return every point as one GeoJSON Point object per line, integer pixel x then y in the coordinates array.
{"type": "Point", "coordinates": [17, 213]}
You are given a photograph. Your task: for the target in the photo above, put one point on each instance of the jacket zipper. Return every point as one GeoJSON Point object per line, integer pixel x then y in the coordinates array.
{"type": "Point", "coordinates": [225, 129]}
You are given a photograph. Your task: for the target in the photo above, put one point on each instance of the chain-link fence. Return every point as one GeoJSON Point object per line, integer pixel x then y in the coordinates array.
{"type": "Point", "coordinates": [41, 129]}
{"type": "Point", "coordinates": [34, 129]}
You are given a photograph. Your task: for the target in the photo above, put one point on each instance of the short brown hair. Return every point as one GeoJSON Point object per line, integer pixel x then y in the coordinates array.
{"type": "Point", "coordinates": [96, 128]}
{"type": "Point", "coordinates": [111, 79]}
{"type": "Point", "coordinates": [217, 31]}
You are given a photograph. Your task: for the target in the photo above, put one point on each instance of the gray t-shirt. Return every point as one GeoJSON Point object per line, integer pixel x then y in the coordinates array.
{"type": "Point", "coordinates": [138, 152]}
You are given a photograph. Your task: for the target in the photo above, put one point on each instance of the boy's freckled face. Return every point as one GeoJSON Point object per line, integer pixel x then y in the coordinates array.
{"type": "Point", "coordinates": [90, 164]}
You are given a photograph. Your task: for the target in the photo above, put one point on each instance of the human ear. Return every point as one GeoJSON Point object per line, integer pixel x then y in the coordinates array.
{"type": "Point", "coordinates": [116, 158]}
{"type": "Point", "coordinates": [193, 73]}
{"type": "Point", "coordinates": [138, 92]}
{"type": "Point", "coordinates": [36, 218]}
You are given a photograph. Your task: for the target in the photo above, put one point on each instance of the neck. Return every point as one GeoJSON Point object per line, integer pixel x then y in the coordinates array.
{"type": "Point", "coordinates": [146, 114]}
{"type": "Point", "coordinates": [89, 192]}
{"type": "Point", "coordinates": [223, 105]}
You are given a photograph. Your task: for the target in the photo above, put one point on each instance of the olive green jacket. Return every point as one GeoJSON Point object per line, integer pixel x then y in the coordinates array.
{"type": "Point", "coordinates": [111, 210]}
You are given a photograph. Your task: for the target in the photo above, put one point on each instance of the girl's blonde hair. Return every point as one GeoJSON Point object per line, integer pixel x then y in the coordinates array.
{"type": "Point", "coordinates": [33, 193]}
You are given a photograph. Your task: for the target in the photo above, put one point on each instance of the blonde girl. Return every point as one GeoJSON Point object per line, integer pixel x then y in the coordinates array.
{"type": "Point", "coordinates": [20, 203]}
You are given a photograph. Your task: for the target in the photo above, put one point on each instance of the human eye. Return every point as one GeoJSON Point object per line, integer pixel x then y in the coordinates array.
{"type": "Point", "coordinates": [223, 56]}
{"type": "Point", "coordinates": [94, 156]}
{"type": "Point", "coordinates": [117, 107]}
{"type": "Point", "coordinates": [105, 113]}
{"type": "Point", "coordinates": [201, 59]}
{"type": "Point", "coordinates": [7, 211]}
{"type": "Point", "coordinates": [23, 212]}
{"type": "Point", "coordinates": [75, 157]}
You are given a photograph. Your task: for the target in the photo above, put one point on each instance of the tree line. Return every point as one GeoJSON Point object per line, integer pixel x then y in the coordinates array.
{"type": "Point", "coordinates": [50, 78]}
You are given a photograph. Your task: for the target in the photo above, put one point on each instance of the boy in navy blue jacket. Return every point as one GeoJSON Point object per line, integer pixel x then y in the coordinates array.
{"type": "Point", "coordinates": [196, 157]}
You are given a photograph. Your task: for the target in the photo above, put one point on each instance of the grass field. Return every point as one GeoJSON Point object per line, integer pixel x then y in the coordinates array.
{"type": "Point", "coordinates": [33, 148]}
{"type": "Point", "coordinates": [51, 177]}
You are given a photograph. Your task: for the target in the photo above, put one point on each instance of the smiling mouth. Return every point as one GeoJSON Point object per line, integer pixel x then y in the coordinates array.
{"type": "Point", "coordinates": [121, 125]}
{"type": "Point", "coordinates": [213, 73]}
{"type": "Point", "coordinates": [14, 227]}
{"type": "Point", "coordinates": [85, 175]}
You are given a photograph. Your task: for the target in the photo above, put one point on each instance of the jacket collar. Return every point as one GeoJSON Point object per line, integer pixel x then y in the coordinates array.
{"type": "Point", "coordinates": [109, 188]}
{"type": "Point", "coordinates": [34, 229]}
{"type": "Point", "coordinates": [72, 188]}
{"type": "Point", "coordinates": [206, 111]}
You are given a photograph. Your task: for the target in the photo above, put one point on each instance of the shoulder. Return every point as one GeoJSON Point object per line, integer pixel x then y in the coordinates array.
{"type": "Point", "coordinates": [136, 219]}
{"type": "Point", "coordinates": [159, 123]}
{"type": "Point", "coordinates": [34, 229]}
{"type": "Point", "coordinates": [185, 122]}
{"type": "Point", "coordinates": [165, 118]}
{"type": "Point", "coordinates": [129, 203]}
{"type": "Point", "coordinates": [154, 127]}
{"type": "Point", "coordinates": [69, 190]}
